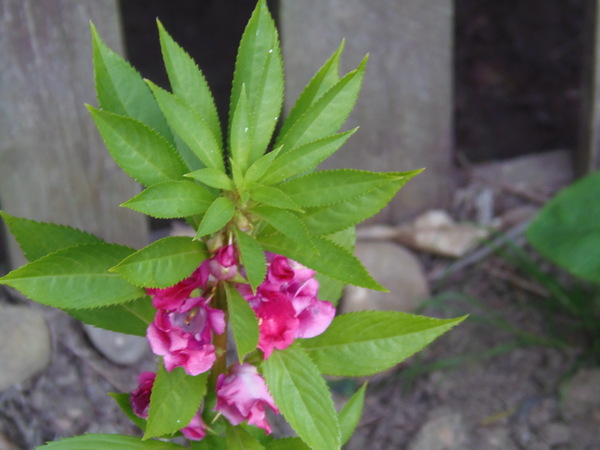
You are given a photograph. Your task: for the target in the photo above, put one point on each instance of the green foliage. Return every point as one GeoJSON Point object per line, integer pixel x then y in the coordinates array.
{"type": "Point", "coordinates": [302, 397]}
{"type": "Point", "coordinates": [387, 337]}
{"type": "Point", "coordinates": [567, 229]}
{"type": "Point", "coordinates": [218, 214]}
{"type": "Point", "coordinates": [38, 239]}
{"type": "Point", "coordinates": [175, 399]}
{"type": "Point", "coordinates": [172, 199]}
{"type": "Point", "coordinates": [141, 152]}
{"type": "Point", "coordinates": [253, 258]}
{"type": "Point", "coordinates": [124, 403]}
{"type": "Point", "coordinates": [239, 439]}
{"type": "Point", "coordinates": [162, 263]}
{"type": "Point", "coordinates": [75, 277]}
{"type": "Point", "coordinates": [108, 442]}
{"type": "Point", "coordinates": [132, 317]}
{"type": "Point", "coordinates": [351, 412]}
{"type": "Point", "coordinates": [243, 322]}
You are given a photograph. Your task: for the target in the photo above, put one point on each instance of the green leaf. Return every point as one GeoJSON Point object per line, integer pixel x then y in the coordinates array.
{"type": "Point", "coordinates": [124, 402]}
{"type": "Point", "coordinates": [272, 196]}
{"type": "Point", "coordinates": [253, 258]}
{"type": "Point", "coordinates": [121, 89]}
{"type": "Point", "coordinates": [567, 229]}
{"type": "Point", "coordinates": [366, 342]}
{"type": "Point", "coordinates": [163, 263]}
{"type": "Point", "coordinates": [302, 397]}
{"type": "Point", "coordinates": [140, 151]}
{"type": "Point", "coordinates": [210, 442]}
{"type": "Point", "coordinates": [175, 399]}
{"type": "Point", "coordinates": [75, 277]}
{"type": "Point", "coordinates": [108, 442]}
{"type": "Point", "coordinates": [350, 414]}
{"type": "Point", "coordinates": [327, 187]}
{"type": "Point", "coordinates": [240, 133]}
{"type": "Point", "coordinates": [285, 222]}
{"type": "Point", "coordinates": [218, 214]}
{"type": "Point", "coordinates": [239, 439]}
{"type": "Point", "coordinates": [38, 239]}
{"type": "Point", "coordinates": [188, 82]}
{"type": "Point", "coordinates": [172, 199]}
{"type": "Point", "coordinates": [289, 443]}
{"type": "Point", "coordinates": [327, 114]}
{"type": "Point", "coordinates": [261, 166]}
{"type": "Point", "coordinates": [243, 322]}
{"type": "Point", "coordinates": [304, 158]}
{"type": "Point", "coordinates": [325, 78]}
{"type": "Point", "coordinates": [131, 317]}
{"type": "Point", "coordinates": [190, 127]}
{"type": "Point", "coordinates": [259, 68]}
{"type": "Point", "coordinates": [330, 289]}
{"type": "Point", "coordinates": [341, 215]}
{"type": "Point", "coordinates": [328, 258]}
{"type": "Point", "coordinates": [213, 178]}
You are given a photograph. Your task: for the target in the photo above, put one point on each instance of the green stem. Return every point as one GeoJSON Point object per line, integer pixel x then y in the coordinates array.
{"type": "Point", "coordinates": [219, 341]}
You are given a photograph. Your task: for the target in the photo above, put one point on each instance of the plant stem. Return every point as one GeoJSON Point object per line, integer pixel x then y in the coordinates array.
{"type": "Point", "coordinates": [219, 341]}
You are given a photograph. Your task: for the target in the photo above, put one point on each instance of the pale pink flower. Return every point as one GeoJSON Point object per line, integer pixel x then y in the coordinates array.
{"type": "Point", "coordinates": [196, 430]}
{"type": "Point", "coordinates": [243, 395]}
{"type": "Point", "coordinates": [183, 336]}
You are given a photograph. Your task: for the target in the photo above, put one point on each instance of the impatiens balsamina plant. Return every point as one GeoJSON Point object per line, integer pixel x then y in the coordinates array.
{"type": "Point", "coordinates": [271, 253]}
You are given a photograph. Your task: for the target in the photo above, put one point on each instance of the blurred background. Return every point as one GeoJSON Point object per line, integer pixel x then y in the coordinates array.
{"type": "Point", "coordinates": [497, 99]}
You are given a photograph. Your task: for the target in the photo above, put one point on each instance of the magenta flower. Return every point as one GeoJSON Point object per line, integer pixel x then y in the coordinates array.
{"type": "Point", "coordinates": [183, 336]}
{"type": "Point", "coordinates": [140, 397]}
{"type": "Point", "coordinates": [286, 304]}
{"type": "Point", "coordinates": [172, 297]}
{"type": "Point", "coordinates": [140, 403]}
{"type": "Point", "coordinates": [243, 395]}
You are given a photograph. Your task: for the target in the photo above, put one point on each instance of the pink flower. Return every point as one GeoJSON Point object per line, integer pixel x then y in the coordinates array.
{"type": "Point", "coordinates": [140, 403]}
{"type": "Point", "coordinates": [243, 395]}
{"type": "Point", "coordinates": [183, 336]}
{"type": "Point", "coordinates": [286, 304]}
{"type": "Point", "coordinates": [221, 267]}
{"type": "Point", "coordinates": [196, 430]}
{"type": "Point", "coordinates": [140, 397]}
{"type": "Point", "coordinates": [172, 297]}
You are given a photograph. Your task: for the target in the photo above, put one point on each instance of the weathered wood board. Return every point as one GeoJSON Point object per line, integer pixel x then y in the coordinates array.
{"type": "Point", "coordinates": [53, 164]}
{"type": "Point", "coordinates": [405, 108]}
{"type": "Point", "coordinates": [587, 159]}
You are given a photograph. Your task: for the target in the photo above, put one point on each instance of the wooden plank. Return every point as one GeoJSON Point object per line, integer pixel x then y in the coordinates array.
{"type": "Point", "coordinates": [405, 109]}
{"type": "Point", "coordinates": [587, 159]}
{"type": "Point", "coordinates": [53, 164]}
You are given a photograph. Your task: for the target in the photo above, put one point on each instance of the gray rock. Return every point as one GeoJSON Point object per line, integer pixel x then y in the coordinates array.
{"type": "Point", "coordinates": [5, 444]}
{"type": "Point", "coordinates": [581, 395]}
{"type": "Point", "coordinates": [119, 348]}
{"type": "Point", "coordinates": [24, 344]}
{"type": "Point", "coordinates": [395, 268]}
{"type": "Point", "coordinates": [444, 430]}
{"type": "Point", "coordinates": [555, 433]}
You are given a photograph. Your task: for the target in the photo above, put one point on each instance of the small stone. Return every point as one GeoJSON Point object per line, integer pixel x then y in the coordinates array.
{"type": "Point", "coordinates": [444, 430]}
{"type": "Point", "coordinates": [581, 395]}
{"type": "Point", "coordinates": [119, 348]}
{"type": "Point", "coordinates": [555, 433]}
{"type": "Point", "coordinates": [436, 232]}
{"type": "Point", "coordinates": [5, 443]}
{"type": "Point", "coordinates": [395, 268]}
{"type": "Point", "coordinates": [24, 344]}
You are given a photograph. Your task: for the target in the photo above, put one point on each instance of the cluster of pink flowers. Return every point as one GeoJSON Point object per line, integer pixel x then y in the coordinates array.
{"type": "Point", "coordinates": [140, 403]}
{"type": "Point", "coordinates": [242, 395]}
{"type": "Point", "coordinates": [182, 328]}
{"type": "Point", "coordinates": [286, 304]}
